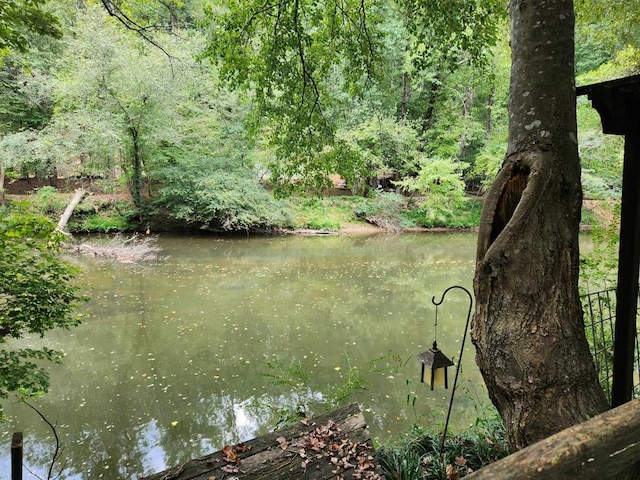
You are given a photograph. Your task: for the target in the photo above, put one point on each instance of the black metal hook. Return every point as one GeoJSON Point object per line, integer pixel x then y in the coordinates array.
{"type": "Point", "coordinates": [464, 337]}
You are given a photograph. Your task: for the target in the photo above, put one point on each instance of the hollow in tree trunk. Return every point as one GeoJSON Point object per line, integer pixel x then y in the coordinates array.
{"type": "Point", "coordinates": [528, 327]}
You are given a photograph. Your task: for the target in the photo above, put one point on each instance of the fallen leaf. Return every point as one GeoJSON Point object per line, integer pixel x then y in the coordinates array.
{"type": "Point", "coordinates": [229, 454]}
{"type": "Point", "coordinates": [241, 448]}
{"type": "Point", "coordinates": [452, 473]}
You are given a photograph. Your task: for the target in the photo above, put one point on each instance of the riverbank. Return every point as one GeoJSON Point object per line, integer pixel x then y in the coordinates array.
{"type": "Point", "coordinates": [101, 212]}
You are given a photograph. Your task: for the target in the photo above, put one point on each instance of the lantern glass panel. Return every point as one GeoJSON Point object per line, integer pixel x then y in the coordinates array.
{"type": "Point", "coordinates": [439, 376]}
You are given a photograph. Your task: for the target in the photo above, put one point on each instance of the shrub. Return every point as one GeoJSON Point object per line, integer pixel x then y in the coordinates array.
{"type": "Point", "coordinates": [222, 201]}
{"type": "Point", "coordinates": [385, 210]}
{"type": "Point", "coordinates": [461, 213]}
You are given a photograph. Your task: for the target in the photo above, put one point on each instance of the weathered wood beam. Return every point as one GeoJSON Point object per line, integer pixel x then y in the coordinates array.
{"type": "Point", "coordinates": [331, 444]}
{"type": "Point", "coordinates": [604, 447]}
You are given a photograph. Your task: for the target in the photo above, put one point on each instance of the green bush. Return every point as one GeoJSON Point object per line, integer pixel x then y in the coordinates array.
{"type": "Point", "coordinates": [48, 202]}
{"type": "Point", "coordinates": [386, 210]}
{"type": "Point", "coordinates": [461, 213]}
{"type": "Point", "coordinates": [222, 201]}
{"type": "Point", "coordinates": [323, 212]}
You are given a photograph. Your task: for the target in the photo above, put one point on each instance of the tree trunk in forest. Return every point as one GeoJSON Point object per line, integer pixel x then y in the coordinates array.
{"type": "Point", "coordinates": [406, 92]}
{"type": "Point", "coordinates": [3, 200]}
{"type": "Point", "coordinates": [66, 215]}
{"type": "Point", "coordinates": [136, 168]}
{"type": "Point", "coordinates": [427, 120]}
{"type": "Point", "coordinates": [528, 327]}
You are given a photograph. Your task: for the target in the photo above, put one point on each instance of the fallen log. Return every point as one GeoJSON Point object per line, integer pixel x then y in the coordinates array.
{"type": "Point", "coordinates": [75, 200]}
{"type": "Point", "coordinates": [335, 445]}
{"type": "Point", "coordinates": [605, 447]}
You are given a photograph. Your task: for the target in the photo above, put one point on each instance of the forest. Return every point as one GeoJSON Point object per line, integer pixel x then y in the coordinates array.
{"type": "Point", "coordinates": [166, 103]}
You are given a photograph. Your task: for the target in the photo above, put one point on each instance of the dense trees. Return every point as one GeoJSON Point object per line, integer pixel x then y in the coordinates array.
{"type": "Point", "coordinates": [434, 86]}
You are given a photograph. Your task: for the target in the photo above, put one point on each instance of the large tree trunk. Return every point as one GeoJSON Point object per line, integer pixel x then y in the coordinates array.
{"type": "Point", "coordinates": [528, 328]}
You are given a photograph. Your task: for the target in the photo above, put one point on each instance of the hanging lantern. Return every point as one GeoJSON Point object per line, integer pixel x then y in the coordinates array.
{"type": "Point", "coordinates": [434, 367]}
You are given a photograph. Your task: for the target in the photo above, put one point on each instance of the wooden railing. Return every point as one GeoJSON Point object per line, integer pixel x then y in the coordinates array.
{"type": "Point", "coordinates": [604, 447]}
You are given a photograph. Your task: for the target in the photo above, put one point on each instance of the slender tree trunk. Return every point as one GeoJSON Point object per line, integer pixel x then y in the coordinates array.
{"type": "Point", "coordinates": [490, 100]}
{"type": "Point", "coordinates": [427, 120]}
{"type": "Point", "coordinates": [406, 93]}
{"type": "Point", "coordinates": [528, 328]}
{"type": "Point", "coordinates": [136, 168]}
{"type": "Point", "coordinates": [66, 215]}
{"type": "Point", "coordinates": [467, 105]}
{"type": "Point", "coordinates": [3, 200]}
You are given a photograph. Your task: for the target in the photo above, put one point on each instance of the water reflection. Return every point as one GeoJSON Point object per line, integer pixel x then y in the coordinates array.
{"type": "Point", "coordinates": [171, 362]}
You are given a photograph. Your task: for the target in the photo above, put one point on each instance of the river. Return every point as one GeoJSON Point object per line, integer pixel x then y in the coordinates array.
{"type": "Point", "coordinates": [212, 343]}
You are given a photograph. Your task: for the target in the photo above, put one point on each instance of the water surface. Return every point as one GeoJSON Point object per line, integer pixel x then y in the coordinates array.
{"type": "Point", "coordinates": [178, 358]}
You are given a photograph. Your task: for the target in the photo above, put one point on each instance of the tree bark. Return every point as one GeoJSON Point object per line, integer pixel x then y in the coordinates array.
{"type": "Point", "coordinates": [528, 327]}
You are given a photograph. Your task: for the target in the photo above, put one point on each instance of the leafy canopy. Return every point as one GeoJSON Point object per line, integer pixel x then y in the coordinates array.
{"type": "Point", "coordinates": [18, 18]}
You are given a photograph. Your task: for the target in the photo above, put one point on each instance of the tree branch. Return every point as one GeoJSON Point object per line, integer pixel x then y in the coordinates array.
{"type": "Point", "coordinates": [116, 12]}
{"type": "Point", "coordinates": [57, 451]}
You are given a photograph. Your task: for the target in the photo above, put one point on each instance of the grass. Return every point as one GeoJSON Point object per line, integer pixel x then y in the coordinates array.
{"type": "Point", "coordinates": [420, 456]}
{"type": "Point", "coordinates": [324, 212]}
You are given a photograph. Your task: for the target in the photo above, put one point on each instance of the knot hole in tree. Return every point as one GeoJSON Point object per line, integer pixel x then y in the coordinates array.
{"type": "Point", "coordinates": [509, 200]}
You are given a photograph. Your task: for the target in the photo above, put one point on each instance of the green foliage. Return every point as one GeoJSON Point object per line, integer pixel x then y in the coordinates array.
{"type": "Point", "coordinates": [418, 455]}
{"type": "Point", "coordinates": [102, 224]}
{"type": "Point", "coordinates": [324, 212]}
{"type": "Point", "coordinates": [221, 200]}
{"type": "Point", "coordinates": [287, 54]}
{"type": "Point", "coordinates": [460, 213]}
{"type": "Point", "coordinates": [455, 27]}
{"type": "Point", "coordinates": [47, 201]}
{"type": "Point", "coordinates": [378, 146]}
{"type": "Point", "coordinates": [439, 178]}
{"type": "Point", "coordinates": [19, 18]}
{"type": "Point", "coordinates": [25, 101]}
{"type": "Point", "coordinates": [36, 295]}
{"type": "Point", "coordinates": [27, 153]}
{"type": "Point", "coordinates": [385, 209]}
{"type": "Point", "coordinates": [598, 267]}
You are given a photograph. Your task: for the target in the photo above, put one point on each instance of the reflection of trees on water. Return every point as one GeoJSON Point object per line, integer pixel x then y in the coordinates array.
{"type": "Point", "coordinates": [108, 450]}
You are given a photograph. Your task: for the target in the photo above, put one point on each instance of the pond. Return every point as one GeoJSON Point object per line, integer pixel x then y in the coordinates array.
{"type": "Point", "coordinates": [218, 339]}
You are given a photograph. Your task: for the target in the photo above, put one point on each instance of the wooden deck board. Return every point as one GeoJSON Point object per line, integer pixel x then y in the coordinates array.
{"type": "Point", "coordinates": [332, 446]}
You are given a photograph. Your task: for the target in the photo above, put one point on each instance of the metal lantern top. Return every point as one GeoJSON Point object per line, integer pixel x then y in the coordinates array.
{"type": "Point", "coordinates": [434, 358]}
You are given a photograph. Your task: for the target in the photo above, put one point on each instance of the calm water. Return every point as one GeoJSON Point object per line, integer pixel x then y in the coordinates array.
{"type": "Point", "coordinates": [180, 357]}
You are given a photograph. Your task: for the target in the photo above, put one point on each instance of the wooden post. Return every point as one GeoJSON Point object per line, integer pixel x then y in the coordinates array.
{"type": "Point", "coordinates": [16, 456]}
{"type": "Point", "coordinates": [628, 270]}
{"type": "Point", "coordinates": [618, 103]}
